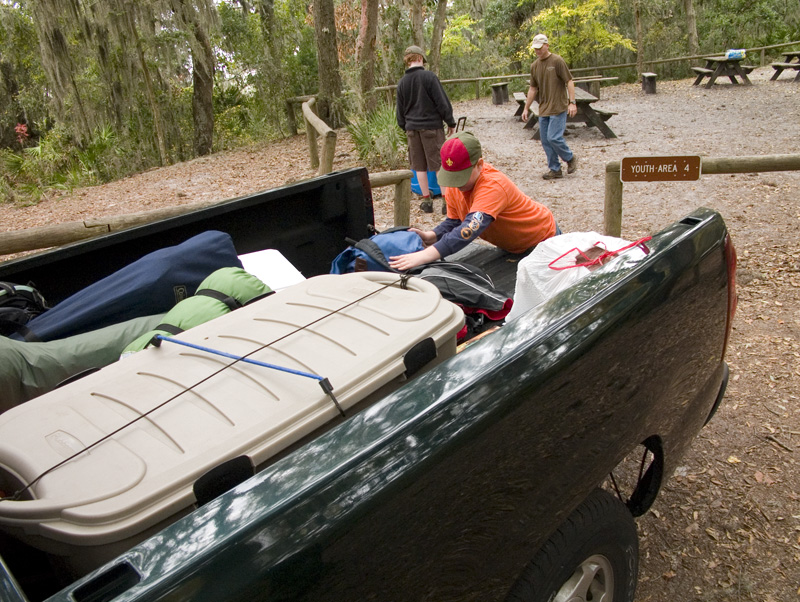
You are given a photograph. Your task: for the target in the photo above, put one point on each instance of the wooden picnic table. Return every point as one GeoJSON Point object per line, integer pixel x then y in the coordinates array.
{"type": "Point", "coordinates": [791, 60]}
{"type": "Point", "coordinates": [717, 66]}
{"type": "Point", "coordinates": [586, 114]}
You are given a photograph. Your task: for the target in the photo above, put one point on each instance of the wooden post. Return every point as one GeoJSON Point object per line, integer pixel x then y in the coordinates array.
{"type": "Point", "coordinates": [314, 126]}
{"type": "Point", "coordinates": [311, 136]}
{"type": "Point", "coordinates": [612, 212]}
{"type": "Point", "coordinates": [402, 203]}
{"type": "Point", "coordinates": [477, 89]}
{"type": "Point", "coordinates": [311, 132]}
{"type": "Point", "coordinates": [328, 151]}
{"type": "Point", "coordinates": [402, 192]}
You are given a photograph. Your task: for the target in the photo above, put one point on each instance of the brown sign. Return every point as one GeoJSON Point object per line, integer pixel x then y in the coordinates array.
{"type": "Point", "coordinates": [659, 169]}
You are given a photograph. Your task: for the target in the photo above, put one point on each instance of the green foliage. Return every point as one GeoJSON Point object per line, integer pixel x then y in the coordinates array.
{"type": "Point", "coordinates": [58, 163]}
{"type": "Point", "coordinates": [504, 20]}
{"type": "Point", "coordinates": [579, 29]}
{"type": "Point", "coordinates": [734, 24]}
{"type": "Point", "coordinates": [380, 143]}
{"type": "Point", "coordinates": [97, 121]}
{"type": "Point", "coordinates": [463, 54]}
{"type": "Point", "coordinates": [22, 79]}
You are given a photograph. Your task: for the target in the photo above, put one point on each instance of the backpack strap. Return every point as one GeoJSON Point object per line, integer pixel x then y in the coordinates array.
{"type": "Point", "coordinates": [13, 327]}
{"type": "Point", "coordinates": [170, 328]}
{"type": "Point", "coordinates": [259, 297]}
{"type": "Point", "coordinates": [374, 251]}
{"type": "Point", "coordinates": [226, 299]}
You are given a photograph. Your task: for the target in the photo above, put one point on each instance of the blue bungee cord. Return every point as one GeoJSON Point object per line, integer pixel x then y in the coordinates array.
{"type": "Point", "coordinates": [323, 382]}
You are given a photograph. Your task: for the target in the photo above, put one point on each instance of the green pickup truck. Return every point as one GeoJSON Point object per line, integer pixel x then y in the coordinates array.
{"type": "Point", "coordinates": [483, 477]}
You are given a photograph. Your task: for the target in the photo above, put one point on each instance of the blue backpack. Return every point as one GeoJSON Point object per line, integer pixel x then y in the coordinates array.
{"type": "Point", "coordinates": [373, 253]}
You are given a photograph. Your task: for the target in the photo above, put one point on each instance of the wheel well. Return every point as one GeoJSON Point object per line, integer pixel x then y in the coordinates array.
{"type": "Point", "coordinates": [637, 479]}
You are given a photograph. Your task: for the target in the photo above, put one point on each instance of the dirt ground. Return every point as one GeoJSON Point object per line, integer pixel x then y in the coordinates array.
{"type": "Point", "coordinates": [727, 524]}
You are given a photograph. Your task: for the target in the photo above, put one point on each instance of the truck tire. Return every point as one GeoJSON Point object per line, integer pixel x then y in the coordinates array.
{"type": "Point", "coordinates": [593, 555]}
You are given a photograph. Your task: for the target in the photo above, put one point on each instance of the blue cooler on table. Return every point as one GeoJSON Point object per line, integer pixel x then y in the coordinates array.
{"type": "Point", "coordinates": [433, 184]}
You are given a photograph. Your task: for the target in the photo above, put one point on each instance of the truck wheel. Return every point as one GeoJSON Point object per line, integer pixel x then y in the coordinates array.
{"type": "Point", "coordinates": [593, 555]}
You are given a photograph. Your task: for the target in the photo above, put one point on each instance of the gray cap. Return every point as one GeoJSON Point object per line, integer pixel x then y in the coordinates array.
{"type": "Point", "coordinates": [415, 50]}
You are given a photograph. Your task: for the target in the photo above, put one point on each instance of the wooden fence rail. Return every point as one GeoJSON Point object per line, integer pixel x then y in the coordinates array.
{"type": "Point", "coordinates": [612, 212]}
{"type": "Point", "coordinates": [317, 127]}
{"type": "Point", "coordinates": [593, 70]}
{"type": "Point", "coordinates": [44, 237]}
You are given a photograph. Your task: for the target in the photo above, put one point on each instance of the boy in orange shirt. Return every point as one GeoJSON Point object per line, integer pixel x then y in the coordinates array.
{"type": "Point", "coordinates": [481, 202]}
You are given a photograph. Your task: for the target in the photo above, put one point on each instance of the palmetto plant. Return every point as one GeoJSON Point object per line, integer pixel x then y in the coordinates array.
{"type": "Point", "coordinates": [379, 141]}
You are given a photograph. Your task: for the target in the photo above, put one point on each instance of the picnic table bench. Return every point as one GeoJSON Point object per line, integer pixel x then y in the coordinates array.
{"type": "Point", "coordinates": [586, 114]}
{"type": "Point", "coordinates": [649, 82]}
{"type": "Point", "coordinates": [499, 93]}
{"type": "Point", "coordinates": [717, 66]}
{"type": "Point", "coordinates": [520, 97]}
{"type": "Point", "coordinates": [592, 83]}
{"type": "Point", "coordinates": [791, 60]}
{"type": "Point", "coordinates": [580, 82]}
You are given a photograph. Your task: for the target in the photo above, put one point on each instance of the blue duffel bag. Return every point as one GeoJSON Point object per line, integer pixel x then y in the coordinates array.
{"type": "Point", "coordinates": [150, 285]}
{"type": "Point", "coordinates": [376, 251]}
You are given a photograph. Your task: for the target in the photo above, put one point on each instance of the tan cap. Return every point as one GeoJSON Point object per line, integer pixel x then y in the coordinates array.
{"type": "Point", "coordinates": [415, 50]}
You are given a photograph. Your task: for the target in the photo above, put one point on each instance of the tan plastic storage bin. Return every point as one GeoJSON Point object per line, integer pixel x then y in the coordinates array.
{"type": "Point", "coordinates": [352, 329]}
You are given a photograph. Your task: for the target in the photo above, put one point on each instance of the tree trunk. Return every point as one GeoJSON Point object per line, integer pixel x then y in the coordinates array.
{"type": "Point", "coordinates": [691, 27]}
{"type": "Point", "coordinates": [330, 80]}
{"type": "Point", "coordinates": [637, 15]}
{"type": "Point", "coordinates": [57, 63]}
{"type": "Point", "coordinates": [365, 52]}
{"type": "Point", "coordinates": [110, 78]}
{"type": "Point", "coordinates": [390, 40]}
{"type": "Point", "coordinates": [151, 95]}
{"type": "Point", "coordinates": [203, 94]}
{"type": "Point", "coordinates": [274, 78]}
{"type": "Point", "coordinates": [195, 18]}
{"type": "Point", "coordinates": [439, 23]}
{"type": "Point", "coordinates": [417, 22]}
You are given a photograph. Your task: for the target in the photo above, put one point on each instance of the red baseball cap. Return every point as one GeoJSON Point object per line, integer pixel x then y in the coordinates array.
{"type": "Point", "coordinates": [459, 153]}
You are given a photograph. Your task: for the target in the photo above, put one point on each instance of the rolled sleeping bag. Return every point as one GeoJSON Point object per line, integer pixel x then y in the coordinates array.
{"type": "Point", "coordinates": [150, 285]}
{"type": "Point", "coordinates": [220, 293]}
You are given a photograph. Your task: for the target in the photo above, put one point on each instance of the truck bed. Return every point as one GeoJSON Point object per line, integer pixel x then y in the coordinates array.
{"type": "Point", "coordinates": [445, 488]}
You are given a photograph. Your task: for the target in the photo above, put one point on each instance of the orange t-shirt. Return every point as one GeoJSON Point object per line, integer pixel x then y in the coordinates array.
{"type": "Point", "coordinates": [519, 222]}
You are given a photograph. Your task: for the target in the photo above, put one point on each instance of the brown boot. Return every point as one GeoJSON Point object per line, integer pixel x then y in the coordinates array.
{"type": "Point", "coordinates": [572, 164]}
{"type": "Point", "coordinates": [426, 205]}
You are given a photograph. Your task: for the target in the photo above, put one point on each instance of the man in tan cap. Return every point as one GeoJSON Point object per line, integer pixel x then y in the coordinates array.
{"type": "Point", "coordinates": [481, 202]}
{"type": "Point", "coordinates": [422, 106]}
{"type": "Point", "coordinates": [552, 86]}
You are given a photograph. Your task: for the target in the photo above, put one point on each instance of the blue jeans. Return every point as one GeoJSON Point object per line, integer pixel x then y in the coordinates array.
{"type": "Point", "coordinates": [551, 130]}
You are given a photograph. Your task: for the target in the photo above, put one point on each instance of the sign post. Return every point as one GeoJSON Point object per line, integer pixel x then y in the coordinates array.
{"type": "Point", "coordinates": [660, 169]}
{"type": "Point", "coordinates": [642, 169]}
